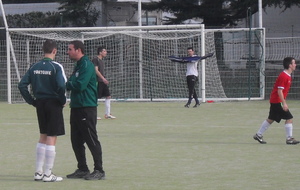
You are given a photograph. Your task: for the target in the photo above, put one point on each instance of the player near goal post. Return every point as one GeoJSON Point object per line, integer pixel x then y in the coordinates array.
{"type": "Point", "coordinates": [103, 90]}
{"type": "Point", "coordinates": [191, 73]}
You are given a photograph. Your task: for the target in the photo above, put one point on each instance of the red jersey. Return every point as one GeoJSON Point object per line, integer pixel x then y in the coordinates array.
{"type": "Point", "coordinates": [283, 82]}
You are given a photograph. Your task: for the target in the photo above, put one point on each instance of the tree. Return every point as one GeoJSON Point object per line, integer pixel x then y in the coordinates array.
{"type": "Point", "coordinates": [215, 13]}
{"type": "Point", "coordinates": [34, 20]}
{"type": "Point", "coordinates": [75, 13]}
{"type": "Point", "coordinates": [80, 13]}
{"type": "Point", "coordinates": [25, 1]}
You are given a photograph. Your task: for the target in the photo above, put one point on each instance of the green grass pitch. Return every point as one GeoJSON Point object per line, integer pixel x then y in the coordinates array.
{"type": "Point", "coordinates": [161, 146]}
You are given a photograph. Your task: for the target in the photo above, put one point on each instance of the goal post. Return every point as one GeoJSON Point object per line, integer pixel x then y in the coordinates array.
{"type": "Point", "coordinates": [7, 52]}
{"type": "Point", "coordinates": [137, 63]}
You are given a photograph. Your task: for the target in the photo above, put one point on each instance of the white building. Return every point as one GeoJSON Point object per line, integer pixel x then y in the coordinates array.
{"type": "Point", "coordinates": [281, 24]}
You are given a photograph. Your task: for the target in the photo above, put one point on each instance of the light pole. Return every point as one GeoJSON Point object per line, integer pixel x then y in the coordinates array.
{"type": "Point", "coordinates": [140, 12]}
{"type": "Point", "coordinates": [61, 19]}
{"type": "Point", "coordinates": [260, 14]}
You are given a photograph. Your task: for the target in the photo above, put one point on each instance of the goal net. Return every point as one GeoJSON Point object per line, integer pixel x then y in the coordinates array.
{"type": "Point", "coordinates": [137, 64]}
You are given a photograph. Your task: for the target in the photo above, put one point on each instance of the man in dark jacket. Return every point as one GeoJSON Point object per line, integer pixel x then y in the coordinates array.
{"type": "Point", "coordinates": [83, 86]}
{"type": "Point", "coordinates": [47, 79]}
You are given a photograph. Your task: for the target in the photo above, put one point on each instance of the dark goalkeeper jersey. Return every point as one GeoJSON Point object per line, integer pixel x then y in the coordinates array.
{"type": "Point", "coordinates": [47, 79]}
{"type": "Point", "coordinates": [100, 64]}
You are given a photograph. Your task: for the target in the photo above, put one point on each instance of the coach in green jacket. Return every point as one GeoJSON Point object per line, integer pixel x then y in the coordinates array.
{"type": "Point", "coordinates": [82, 83]}
{"type": "Point", "coordinates": [83, 119]}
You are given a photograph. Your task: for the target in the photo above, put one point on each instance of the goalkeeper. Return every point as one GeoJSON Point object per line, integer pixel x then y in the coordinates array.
{"type": "Point", "coordinates": [191, 73]}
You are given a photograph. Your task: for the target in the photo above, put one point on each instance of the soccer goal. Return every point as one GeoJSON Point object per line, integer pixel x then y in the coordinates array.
{"type": "Point", "coordinates": [137, 64]}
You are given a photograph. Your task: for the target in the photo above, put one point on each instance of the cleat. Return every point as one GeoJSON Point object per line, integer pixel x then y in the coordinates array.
{"type": "Point", "coordinates": [109, 117]}
{"type": "Point", "coordinates": [38, 176]}
{"type": "Point", "coordinates": [187, 105]}
{"type": "Point", "coordinates": [78, 174]}
{"type": "Point", "coordinates": [95, 175]}
{"type": "Point", "coordinates": [259, 139]}
{"type": "Point", "coordinates": [98, 118]}
{"type": "Point", "coordinates": [292, 141]}
{"type": "Point", "coordinates": [196, 105]}
{"type": "Point", "coordinates": [51, 178]}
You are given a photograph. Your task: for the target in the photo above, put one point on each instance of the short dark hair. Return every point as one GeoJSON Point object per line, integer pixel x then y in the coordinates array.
{"type": "Point", "coordinates": [190, 48]}
{"type": "Point", "coordinates": [287, 61]}
{"type": "Point", "coordinates": [49, 45]}
{"type": "Point", "coordinates": [101, 48]}
{"type": "Point", "coordinates": [78, 45]}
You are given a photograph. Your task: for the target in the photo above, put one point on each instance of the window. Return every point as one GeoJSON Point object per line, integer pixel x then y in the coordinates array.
{"type": "Point", "coordinates": [151, 21]}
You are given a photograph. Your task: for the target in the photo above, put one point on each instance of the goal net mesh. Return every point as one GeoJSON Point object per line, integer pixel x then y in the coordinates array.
{"type": "Point", "coordinates": [137, 65]}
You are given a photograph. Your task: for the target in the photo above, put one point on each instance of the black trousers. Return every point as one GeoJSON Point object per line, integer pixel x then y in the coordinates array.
{"type": "Point", "coordinates": [191, 83]}
{"type": "Point", "coordinates": [83, 130]}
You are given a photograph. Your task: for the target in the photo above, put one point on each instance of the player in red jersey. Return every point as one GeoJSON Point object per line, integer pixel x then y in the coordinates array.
{"type": "Point", "coordinates": [278, 106]}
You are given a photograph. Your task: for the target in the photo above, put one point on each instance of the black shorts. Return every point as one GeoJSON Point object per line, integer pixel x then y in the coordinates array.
{"type": "Point", "coordinates": [277, 113]}
{"type": "Point", "coordinates": [50, 117]}
{"type": "Point", "coordinates": [103, 90]}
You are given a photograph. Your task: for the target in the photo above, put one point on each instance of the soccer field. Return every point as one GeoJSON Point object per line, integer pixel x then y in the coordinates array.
{"type": "Point", "coordinates": [161, 145]}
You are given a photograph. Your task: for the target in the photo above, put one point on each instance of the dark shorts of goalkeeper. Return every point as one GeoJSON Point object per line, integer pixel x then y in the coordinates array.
{"type": "Point", "coordinates": [277, 113]}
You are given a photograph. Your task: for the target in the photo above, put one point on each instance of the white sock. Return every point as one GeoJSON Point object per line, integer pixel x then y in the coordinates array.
{"type": "Point", "coordinates": [288, 130]}
{"type": "Point", "coordinates": [264, 126]}
{"type": "Point", "coordinates": [49, 159]}
{"type": "Point", "coordinates": [107, 106]}
{"type": "Point", "coordinates": [40, 157]}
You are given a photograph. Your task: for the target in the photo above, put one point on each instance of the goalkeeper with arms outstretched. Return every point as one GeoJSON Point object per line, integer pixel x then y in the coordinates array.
{"type": "Point", "coordinates": [191, 73]}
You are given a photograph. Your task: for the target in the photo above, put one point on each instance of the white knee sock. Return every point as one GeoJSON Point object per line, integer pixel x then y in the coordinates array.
{"type": "Point", "coordinates": [49, 159]}
{"type": "Point", "coordinates": [40, 157]}
{"type": "Point", "coordinates": [264, 126]}
{"type": "Point", "coordinates": [288, 130]}
{"type": "Point", "coordinates": [107, 106]}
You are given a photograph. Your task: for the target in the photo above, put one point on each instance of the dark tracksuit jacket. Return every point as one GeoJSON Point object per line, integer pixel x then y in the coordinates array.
{"type": "Point", "coordinates": [83, 84]}
{"type": "Point", "coordinates": [47, 79]}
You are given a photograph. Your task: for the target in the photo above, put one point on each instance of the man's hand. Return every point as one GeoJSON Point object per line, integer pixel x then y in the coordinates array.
{"type": "Point", "coordinates": [285, 107]}
{"type": "Point", "coordinates": [105, 81]}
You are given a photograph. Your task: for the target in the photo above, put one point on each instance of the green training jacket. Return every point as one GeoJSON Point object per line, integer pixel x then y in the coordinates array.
{"type": "Point", "coordinates": [47, 79]}
{"type": "Point", "coordinates": [83, 84]}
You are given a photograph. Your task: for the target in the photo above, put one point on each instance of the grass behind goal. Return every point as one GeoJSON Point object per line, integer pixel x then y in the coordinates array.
{"type": "Point", "coordinates": [161, 145]}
